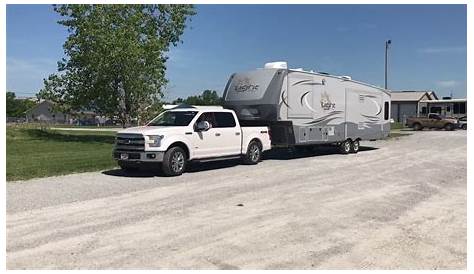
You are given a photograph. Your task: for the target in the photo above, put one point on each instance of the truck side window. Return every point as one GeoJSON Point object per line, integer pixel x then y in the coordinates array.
{"type": "Point", "coordinates": [209, 117]}
{"type": "Point", "coordinates": [224, 119]}
{"type": "Point", "coordinates": [386, 111]}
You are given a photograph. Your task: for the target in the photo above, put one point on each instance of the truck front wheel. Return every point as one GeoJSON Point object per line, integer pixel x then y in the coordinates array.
{"type": "Point", "coordinates": [417, 126]}
{"type": "Point", "coordinates": [254, 153]}
{"type": "Point", "coordinates": [174, 162]}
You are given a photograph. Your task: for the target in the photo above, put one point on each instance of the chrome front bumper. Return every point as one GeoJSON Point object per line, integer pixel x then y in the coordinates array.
{"type": "Point", "coordinates": [138, 156]}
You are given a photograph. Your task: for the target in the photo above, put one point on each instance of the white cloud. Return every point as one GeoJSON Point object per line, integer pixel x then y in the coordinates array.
{"type": "Point", "coordinates": [434, 50]}
{"type": "Point", "coordinates": [447, 83]}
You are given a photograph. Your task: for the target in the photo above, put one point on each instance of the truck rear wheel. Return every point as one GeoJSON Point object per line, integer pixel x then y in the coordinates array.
{"type": "Point", "coordinates": [345, 147]}
{"type": "Point", "coordinates": [254, 153]}
{"type": "Point", "coordinates": [174, 162]}
{"type": "Point", "coordinates": [355, 145]}
{"type": "Point", "coordinates": [417, 126]}
{"type": "Point", "coordinates": [464, 126]}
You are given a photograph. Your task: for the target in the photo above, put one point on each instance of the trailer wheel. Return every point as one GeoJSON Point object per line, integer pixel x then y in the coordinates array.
{"type": "Point", "coordinates": [417, 126]}
{"type": "Point", "coordinates": [355, 145]}
{"type": "Point", "coordinates": [254, 153]}
{"type": "Point", "coordinates": [174, 161]}
{"type": "Point", "coordinates": [345, 147]}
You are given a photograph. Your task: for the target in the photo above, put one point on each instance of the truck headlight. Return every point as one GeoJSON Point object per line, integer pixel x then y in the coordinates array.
{"type": "Point", "coordinates": [154, 140]}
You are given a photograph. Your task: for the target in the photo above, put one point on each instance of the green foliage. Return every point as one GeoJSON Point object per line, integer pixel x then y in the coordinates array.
{"type": "Point", "coordinates": [17, 107]}
{"type": "Point", "coordinates": [115, 57]}
{"type": "Point", "coordinates": [207, 98]}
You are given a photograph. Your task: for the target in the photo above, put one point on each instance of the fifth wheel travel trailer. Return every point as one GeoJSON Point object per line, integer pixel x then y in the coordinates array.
{"type": "Point", "coordinates": [309, 108]}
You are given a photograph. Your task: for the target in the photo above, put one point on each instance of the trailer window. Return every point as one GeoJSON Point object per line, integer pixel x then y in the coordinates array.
{"type": "Point", "coordinates": [386, 111]}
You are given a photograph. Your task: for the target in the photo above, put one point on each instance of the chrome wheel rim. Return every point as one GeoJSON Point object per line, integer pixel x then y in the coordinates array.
{"type": "Point", "coordinates": [254, 153]}
{"type": "Point", "coordinates": [347, 146]}
{"type": "Point", "coordinates": [356, 145]}
{"type": "Point", "coordinates": [177, 161]}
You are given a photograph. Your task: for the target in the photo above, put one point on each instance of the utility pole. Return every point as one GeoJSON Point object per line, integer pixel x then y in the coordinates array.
{"type": "Point", "coordinates": [387, 44]}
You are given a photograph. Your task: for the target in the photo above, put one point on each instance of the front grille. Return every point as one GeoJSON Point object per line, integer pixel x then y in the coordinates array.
{"type": "Point", "coordinates": [130, 142]}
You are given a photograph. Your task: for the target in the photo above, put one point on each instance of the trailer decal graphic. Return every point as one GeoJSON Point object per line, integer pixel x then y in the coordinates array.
{"type": "Point", "coordinates": [325, 101]}
{"type": "Point", "coordinates": [308, 105]}
{"type": "Point", "coordinates": [283, 99]}
{"type": "Point", "coordinates": [323, 118]}
{"type": "Point", "coordinates": [311, 83]}
{"type": "Point", "coordinates": [244, 85]}
{"type": "Point", "coordinates": [302, 81]}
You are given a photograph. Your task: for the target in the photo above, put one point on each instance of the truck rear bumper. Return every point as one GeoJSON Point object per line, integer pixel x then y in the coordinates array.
{"type": "Point", "coordinates": [138, 156]}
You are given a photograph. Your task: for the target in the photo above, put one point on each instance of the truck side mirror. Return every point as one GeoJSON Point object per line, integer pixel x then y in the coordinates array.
{"type": "Point", "coordinates": [203, 126]}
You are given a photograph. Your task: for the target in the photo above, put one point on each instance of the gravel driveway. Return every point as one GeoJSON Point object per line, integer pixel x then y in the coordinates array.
{"type": "Point", "coordinates": [398, 204]}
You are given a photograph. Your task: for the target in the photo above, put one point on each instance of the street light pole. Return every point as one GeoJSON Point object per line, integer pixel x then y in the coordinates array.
{"type": "Point", "coordinates": [387, 44]}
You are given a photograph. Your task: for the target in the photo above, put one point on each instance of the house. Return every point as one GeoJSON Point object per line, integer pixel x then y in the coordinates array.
{"type": "Point", "coordinates": [44, 112]}
{"type": "Point", "coordinates": [410, 103]}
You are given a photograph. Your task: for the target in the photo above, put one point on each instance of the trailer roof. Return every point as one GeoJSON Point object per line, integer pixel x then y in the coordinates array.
{"type": "Point", "coordinates": [342, 77]}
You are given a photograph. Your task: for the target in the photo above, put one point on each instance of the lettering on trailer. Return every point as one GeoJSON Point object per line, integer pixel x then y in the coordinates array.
{"type": "Point", "coordinates": [244, 85]}
{"type": "Point", "coordinates": [326, 103]}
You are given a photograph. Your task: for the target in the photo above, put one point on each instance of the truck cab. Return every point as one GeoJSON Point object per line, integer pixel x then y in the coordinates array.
{"type": "Point", "coordinates": [188, 133]}
{"type": "Point", "coordinates": [433, 120]}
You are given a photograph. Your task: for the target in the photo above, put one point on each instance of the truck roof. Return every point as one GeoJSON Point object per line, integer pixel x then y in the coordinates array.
{"type": "Point", "coordinates": [185, 107]}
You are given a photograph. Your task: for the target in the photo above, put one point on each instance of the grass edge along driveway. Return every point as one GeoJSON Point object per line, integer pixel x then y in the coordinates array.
{"type": "Point", "coordinates": [34, 153]}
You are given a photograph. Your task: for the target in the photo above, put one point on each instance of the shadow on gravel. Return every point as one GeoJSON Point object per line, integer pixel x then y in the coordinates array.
{"type": "Point", "coordinates": [274, 154]}
{"type": "Point", "coordinates": [289, 154]}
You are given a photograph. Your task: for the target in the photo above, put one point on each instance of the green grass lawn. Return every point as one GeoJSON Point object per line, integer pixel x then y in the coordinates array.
{"type": "Point", "coordinates": [32, 152]}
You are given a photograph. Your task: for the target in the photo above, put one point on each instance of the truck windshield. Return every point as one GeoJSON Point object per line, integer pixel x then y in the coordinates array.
{"type": "Point", "coordinates": [173, 118]}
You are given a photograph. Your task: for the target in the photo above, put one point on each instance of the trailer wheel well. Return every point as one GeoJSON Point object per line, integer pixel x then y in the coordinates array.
{"type": "Point", "coordinates": [181, 145]}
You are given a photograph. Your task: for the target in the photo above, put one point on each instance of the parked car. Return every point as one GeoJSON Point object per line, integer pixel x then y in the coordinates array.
{"type": "Point", "coordinates": [463, 122]}
{"type": "Point", "coordinates": [433, 120]}
{"type": "Point", "coordinates": [187, 133]}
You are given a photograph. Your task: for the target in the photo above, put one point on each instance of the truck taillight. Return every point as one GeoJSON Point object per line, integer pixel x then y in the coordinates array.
{"type": "Point", "coordinates": [270, 134]}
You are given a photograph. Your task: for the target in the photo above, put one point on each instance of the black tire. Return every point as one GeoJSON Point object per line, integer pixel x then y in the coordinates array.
{"type": "Point", "coordinates": [464, 126]}
{"type": "Point", "coordinates": [128, 167]}
{"type": "Point", "coordinates": [448, 127]}
{"type": "Point", "coordinates": [345, 147]}
{"type": "Point", "coordinates": [417, 126]}
{"type": "Point", "coordinates": [254, 153]}
{"type": "Point", "coordinates": [174, 162]}
{"type": "Point", "coordinates": [355, 146]}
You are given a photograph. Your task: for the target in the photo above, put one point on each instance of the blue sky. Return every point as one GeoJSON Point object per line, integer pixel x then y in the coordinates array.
{"type": "Point", "coordinates": [428, 50]}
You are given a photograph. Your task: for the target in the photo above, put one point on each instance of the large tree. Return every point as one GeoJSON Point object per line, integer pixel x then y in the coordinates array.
{"type": "Point", "coordinates": [115, 57]}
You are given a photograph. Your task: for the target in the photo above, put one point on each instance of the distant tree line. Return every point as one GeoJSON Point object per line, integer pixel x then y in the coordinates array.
{"type": "Point", "coordinates": [207, 98]}
{"type": "Point", "coordinates": [17, 107]}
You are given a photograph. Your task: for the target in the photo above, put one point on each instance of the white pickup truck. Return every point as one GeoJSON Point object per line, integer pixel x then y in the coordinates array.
{"type": "Point", "coordinates": [187, 133]}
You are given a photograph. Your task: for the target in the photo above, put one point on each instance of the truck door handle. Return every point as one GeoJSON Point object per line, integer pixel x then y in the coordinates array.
{"type": "Point", "coordinates": [237, 133]}
{"type": "Point", "coordinates": [218, 134]}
